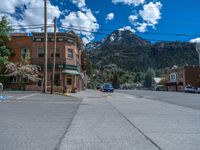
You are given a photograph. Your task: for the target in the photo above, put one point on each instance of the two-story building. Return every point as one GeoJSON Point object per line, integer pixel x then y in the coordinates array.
{"type": "Point", "coordinates": [179, 77]}
{"type": "Point", "coordinates": [68, 72]}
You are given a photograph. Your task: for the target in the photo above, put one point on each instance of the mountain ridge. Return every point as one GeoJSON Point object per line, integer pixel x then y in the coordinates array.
{"type": "Point", "coordinates": [131, 52]}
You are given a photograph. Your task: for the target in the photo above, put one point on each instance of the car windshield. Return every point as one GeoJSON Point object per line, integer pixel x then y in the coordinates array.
{"type": "Point", "coordinates": [108, 85]}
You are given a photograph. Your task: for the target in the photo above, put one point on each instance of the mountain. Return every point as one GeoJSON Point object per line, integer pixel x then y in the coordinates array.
{"type": "Point", "coordinates": [116, 37]}
{"type": "Point", "coordinates": [133, 53]}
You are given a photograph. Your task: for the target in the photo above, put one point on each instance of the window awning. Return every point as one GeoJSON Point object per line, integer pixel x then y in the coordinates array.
{"type": "Point", "coordinates": [70, 72]}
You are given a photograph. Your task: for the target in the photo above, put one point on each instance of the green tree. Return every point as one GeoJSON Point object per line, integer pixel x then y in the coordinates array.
{"type": "Point", "coordinates": [23, 71]}
{"type": "Point", "coordinates": [5, 53]}
{"type": "Point", "coordinates": [148, 78]}
{"type": "Point", "coordinates": [116, 81]}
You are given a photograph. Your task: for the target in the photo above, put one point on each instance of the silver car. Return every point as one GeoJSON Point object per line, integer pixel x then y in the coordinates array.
{"type": "Point", "coordinates": [197, 90]}
{"type": "Point", "coordinates": [189, 89]}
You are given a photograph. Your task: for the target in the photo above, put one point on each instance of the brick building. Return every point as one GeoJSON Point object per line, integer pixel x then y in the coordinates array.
{"type": "Point", "coordinates": [179, 77]}
{"type": "Point", "coordinates": [68, 71]}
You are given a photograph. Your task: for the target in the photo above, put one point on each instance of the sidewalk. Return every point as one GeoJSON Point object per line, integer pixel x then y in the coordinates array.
{"type": "Point", "coordinates": [99, 126]}
{"type": "Point", "coordinates": [171, 127]}
{"type": "Point", "coordinates": [123, 122]}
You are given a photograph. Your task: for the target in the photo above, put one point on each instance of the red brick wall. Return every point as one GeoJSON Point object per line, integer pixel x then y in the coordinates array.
{"type": "Point", "coordinates": [17, 43]}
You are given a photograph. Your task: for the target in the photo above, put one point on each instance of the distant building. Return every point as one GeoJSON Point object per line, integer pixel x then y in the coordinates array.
{"type": "Point", "coordinates": [179, 77]}
{"type": "Point", "coordinates": [68, 73]}
{"type": "Point", "coordinates": [156, 83]}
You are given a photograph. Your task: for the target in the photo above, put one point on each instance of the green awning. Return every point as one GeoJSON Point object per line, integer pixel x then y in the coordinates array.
{"type": "Point", "coordinates": [71, 72]}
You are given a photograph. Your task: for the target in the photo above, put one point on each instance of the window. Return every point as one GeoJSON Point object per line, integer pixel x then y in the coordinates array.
{"type": "Point", "coordinates": [24, 52]}
{"type": "Point", "coordinates": [60, 39]}
{"type": "Point", "coordinates": [70, 53]}
{"type": "Point", "coordinates": [41, 52]}
{"type": "Point", "coordinates": [70, 41]}
{"type": "Point", "coordinates": [57, 52]}
{"type": "Point", "coordinates": [69, 81]}
{"type": "Point", "coordinates": [38, 39]}
{"type": "Point", "coordinates": [13, 79]}
{"type": "Point", "coordinates": [173, 77]}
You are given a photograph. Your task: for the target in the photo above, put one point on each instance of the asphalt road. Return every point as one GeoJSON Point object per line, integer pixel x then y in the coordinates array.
{"type": "Point", "coordinates": [177, 98]}
{"type": "Point", "coordinates": [118, 121]}
{"type": "Point", "coordinates": [33, 121]}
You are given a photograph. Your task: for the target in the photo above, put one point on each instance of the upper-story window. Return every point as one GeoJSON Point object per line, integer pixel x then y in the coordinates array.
{"type": "Point", "coordinates": [173, 77]}
{"type": "Point", "coordinates": [70, 41]}
{"type": "Point", "coordinates": [24, 52]}
{"type": "Point", "coordinates": [70, 53]}
{"type": "Point", "coordinates": [60, 39]}
{"type": "Point", "coordinates": [57, 52]}
{"type": "Point", "coordinates": [41, 52]}
{"type": "Point", "coordinates": [38, 39]}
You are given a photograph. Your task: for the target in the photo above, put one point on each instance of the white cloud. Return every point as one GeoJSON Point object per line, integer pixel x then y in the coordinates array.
{"type": "Point", "coordinates": [83, 23]}
{"type": "Point", "coordinates": [150, 15]}
{"type": "Point", "coordinates": [110, 16]}
{"type": "Point", "coordinates": [32, 15]}
{"type": "Point", "coordinates": [79, 3]}
{"type": "Point", "coordinates": [142, 27]}
{"type": "Point", "coordinates": [127, 28]}
{"type": "Point", "coordinates": [151, 12]}
{"type": "Point", "coordinates": [129, 2]}
{"type": "Point", "coordinates": [196, 40]}
{"type": "Point", "coordinates": [132, 18]}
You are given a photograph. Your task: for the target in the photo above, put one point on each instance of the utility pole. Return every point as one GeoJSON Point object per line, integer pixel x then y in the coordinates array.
{"type": "Point", "coordinates": [54, 58]}
{"type": "Point", "coordinates": [45, 48]}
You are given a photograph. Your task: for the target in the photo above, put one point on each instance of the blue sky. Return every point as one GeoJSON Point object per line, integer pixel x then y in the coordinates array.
{"type": "Point", "coordinates": [85, 16]}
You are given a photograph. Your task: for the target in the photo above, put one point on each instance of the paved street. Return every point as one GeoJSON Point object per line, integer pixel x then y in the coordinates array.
{"type": "Point", "coordinates": [183, 99]}
{"type": "Point", "coordinates": [32, 121]}
{"type": "Point", "coordinates": [102, 121]}
{"type": "Point", "coordinates": [120, 121]}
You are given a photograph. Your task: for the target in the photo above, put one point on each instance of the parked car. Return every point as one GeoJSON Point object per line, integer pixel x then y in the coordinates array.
{"type": "Point", "coordinates": [98, 87]}
{"type": "Point", "coordinates": [189, 89]}
{"type": "Point", "coordinates": [107, 87]}
{"type": "Point", "coordinates": [197, 90]}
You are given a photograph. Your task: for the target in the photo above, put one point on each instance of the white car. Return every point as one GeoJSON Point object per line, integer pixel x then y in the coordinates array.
{"type": "Point", "coordinates": [189, 89]}
{"type": "Point", "coordinates": [197, 90]}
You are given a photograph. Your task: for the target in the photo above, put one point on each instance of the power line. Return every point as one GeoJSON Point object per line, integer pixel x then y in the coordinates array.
{"type": "Point", "coordinates": [25, 8]}
{"type": "Point", "coordinates": [25, 28]}
{"type": "Point", "coordinates": [156, 40]}
{"type": "Point", "coordinates": [98, 33]}
{"type": "Point", "coordinates": [151, 33]}
{"type": "Point", "coordinates": [87, 29]}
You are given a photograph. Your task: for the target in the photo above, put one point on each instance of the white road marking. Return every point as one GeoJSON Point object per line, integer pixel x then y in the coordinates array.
{"type": "Point", "coordinates": [26, 96]}
{"type": "Point", "coordinates": [130, 97]}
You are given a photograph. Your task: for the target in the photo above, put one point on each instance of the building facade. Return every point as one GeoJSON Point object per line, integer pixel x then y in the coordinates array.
{"type": "Point", "coordinates": [68, 70]}
{"type": "Point", "coordinates": [178, 78]}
